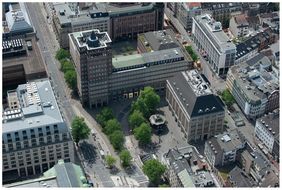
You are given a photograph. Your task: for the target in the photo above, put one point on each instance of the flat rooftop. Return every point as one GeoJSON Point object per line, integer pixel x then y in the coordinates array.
{"type": "Point", "coordinates": [159, 40]}
{"type": "Point", "coordinates": [227, 141]}
{"type": "Point", "coordinates": [116, 9]}
{"type": "Point", "coordinates": [38, 108]}
{"type": "Point", "coordinates": [90, 39]}
{"type": "Point", "coordinates": [127, 61]}
{"type": "Point", "coordinates": [151, 58]}
{"type": "Point", "coordinates": [254, 77]}
{"type": "Point", "coordinates": [32, 61]}
{"type": "Point", "coordinates": [215, 33]}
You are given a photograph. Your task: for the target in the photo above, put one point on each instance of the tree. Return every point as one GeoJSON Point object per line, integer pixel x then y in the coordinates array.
{"type": "Point", "coordinates": [70, 77]}
{"type": "Point", "coordinates": [227, 97]}
{"type": "Point", "coordinates": [111, 126]}
{"type": "Point", "coordinates": [117, 140]}
{"type": "Point", "coordinates": [62, 54]}
{"type": "Point", "coordinates": [110, 160]}
{"type": "Point", "coordinates": [125, 158]}
{"type": "Point", "coordinates": [143, 134]}
{"type": "Point", "coordinates": [194, 56]}
{"type": "Point", "coordinates": [136, 119]}
{"type": "Point", "coordinates": [141, 106]}
{"type": "Point", "coordinates": [151, 98]}
{"type": "Point", "coordinates": [79, 129]}
{"type": "Point", "coordinates": [66, 65]}
{"type": "Point", "coordinates": [154, 170]}
{"type": "Point", "coordinates": [105, 115]}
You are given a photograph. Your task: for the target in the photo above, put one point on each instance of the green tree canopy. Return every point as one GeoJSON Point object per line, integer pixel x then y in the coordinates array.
{"type": "Point", "coordinates": [191, 52]}
{"type": "Point", "coordinates": [141, 106]}
{"type": "Point", "coordinates": [110, 160]}
{"type": "Point", "coordinates": [62, 54]}
{"type": "Point", "coordinates": [227, 98]}
{"type": "Point", "coordinates": [151, 98]}
{"type": "Point", "coordinates": [154, 170]}
{"type": "Point", "coordinates": [125, 158]}
{"type": "Point", "coordinates": [111, 126]}
{"type": "Point", "coordinates": [117, 140]}
{"type": "Point", "coordinates": [70, 77]}
{"type": "Point", "coordinates": [147, 102]}
{"type": "Point", "coordinates": [105, 115]}
{"type": "Point", "coordinates": [79, 129]}
{"type": "Point", "coordinates": [66, 65]}
{"type": "Point", "coordinates": [136, 119]}
{"type": "Point", "coordinates": [143, 134]}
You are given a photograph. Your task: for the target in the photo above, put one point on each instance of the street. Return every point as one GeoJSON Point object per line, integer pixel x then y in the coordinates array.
{"type": "Point", "coordinates": [48, 46]}
{"type": "Point", "coordinates": [216, 82]}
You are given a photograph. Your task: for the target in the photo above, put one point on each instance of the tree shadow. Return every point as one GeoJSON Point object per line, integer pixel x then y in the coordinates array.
{"type": "Point", "coordinates": [89, 152]}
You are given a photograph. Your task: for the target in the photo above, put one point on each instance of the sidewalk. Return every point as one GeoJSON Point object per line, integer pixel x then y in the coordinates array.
{"type": "Point", "coordinates": [92, 124]}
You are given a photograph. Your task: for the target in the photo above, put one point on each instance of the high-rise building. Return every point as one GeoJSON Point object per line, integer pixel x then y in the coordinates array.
{"type": "Point", "coordinates": [209, 37]}
{"type": "Point", "coordinates": [92, 55]}
{"type": "Point", "coordinates": [102, 78]}
{"type": "Point", "coordinates": [34, 134]}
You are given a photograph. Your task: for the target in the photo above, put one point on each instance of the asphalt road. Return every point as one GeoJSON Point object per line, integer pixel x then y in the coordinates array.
{"type": "Point", "coordinates": [48, 45]}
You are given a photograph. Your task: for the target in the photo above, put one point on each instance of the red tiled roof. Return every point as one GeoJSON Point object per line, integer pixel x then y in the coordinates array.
{"type": "Point", "coordinates": [193, 5]}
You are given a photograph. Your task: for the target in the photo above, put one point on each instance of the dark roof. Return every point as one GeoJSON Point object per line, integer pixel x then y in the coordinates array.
{"type": "Point", "coordinates": [251, 44]}
{"type": "Point", "coordinates": [272, 120]}
{"type": "Point", "coordinates": [240, 178]}
{"type": "Point", "coordinates": [195, 103]}
{"type": "Point", "coordinates": [21, 27]}
{"type": "Point", "coordinates": [66, 175]}
{"type": "Point", "coordinates": [258, 58]}
{"type": "Point", "coordinates": [162, 39]}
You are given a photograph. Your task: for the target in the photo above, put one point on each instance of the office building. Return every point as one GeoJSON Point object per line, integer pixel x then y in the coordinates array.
{"type": "Point", "coordinates": [68, 19]}
{"type": "Point", "coordinates": [186, 12]}
{"type": "Point", "coordinates": [222, 149]}
{"type": "Point", "coordinates": [239, 26]}
{"type": "Point", "coordinates": [16, 21]}
{"type": "Point", "coordinates": [267, 131]}
{"type": "Point", "coordinates": [209, 37]}
{"type": "Point", "coordinates": [120, 20]}
{"type": "Point", "coordinates": [254, 86]}
{"type": "Point", "coordinates": [34, 135]}
{"type": "Point", "coordinates": [157, 40]}
{"type": "Point", "coordinates": [60, 175]}
{"type": "Point", "coordinates": [198, 112]}
{"type": "Point", "coordinates": [22, 61]}
{"type": "Point", "coordinates": [187, 168]}
{"type": "Point", "coordinates": [102, 78]}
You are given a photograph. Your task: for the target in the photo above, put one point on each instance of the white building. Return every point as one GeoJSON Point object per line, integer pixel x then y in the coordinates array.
{"type": "Point", "coordinates": [267, 131]}
{"type": "Point", "coordinates": [209, 37]}
{"type": "Point", "coordinates": [34, 136]}
{"type": "Point", "coordinates": [254, 86]}
{"type": "Point", "coordinates": [239, 26]}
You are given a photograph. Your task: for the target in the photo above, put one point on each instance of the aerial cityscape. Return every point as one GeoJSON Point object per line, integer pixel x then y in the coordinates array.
{"type": "Point", "coordinates": [140, 94]}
